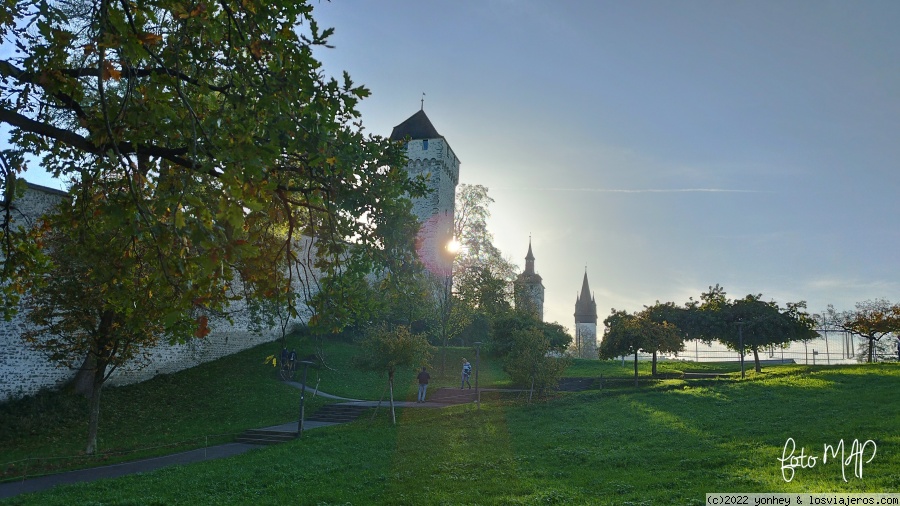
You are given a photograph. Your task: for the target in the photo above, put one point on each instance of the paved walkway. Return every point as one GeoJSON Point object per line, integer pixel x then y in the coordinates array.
{"type": "Point", "coordinates": [443, 396]}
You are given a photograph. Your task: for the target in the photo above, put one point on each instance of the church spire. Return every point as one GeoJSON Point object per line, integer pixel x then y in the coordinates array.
{"type": "Point", "coordinates": [585, 288]}
{"type": "Point", "coordinates": [529, 259]}
{"type": "Point", "coordinates": [585, 306]}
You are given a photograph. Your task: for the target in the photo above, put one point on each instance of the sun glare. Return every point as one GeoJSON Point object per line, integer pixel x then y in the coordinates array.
{"type": "Point", "coordinates": [453, 246]}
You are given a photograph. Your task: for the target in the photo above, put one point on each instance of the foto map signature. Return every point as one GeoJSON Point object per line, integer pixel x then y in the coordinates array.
{"type": "Point", "coordinates": [854, 458]}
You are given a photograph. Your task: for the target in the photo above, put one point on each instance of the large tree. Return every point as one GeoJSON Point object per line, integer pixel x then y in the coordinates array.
{"type": "Point", "coordinates": [203, 113]}
{"type": "Point", "coordinates": [478, 258]}
{"type": "Point", "coordinates": [759, 324]}
{"type": "Point", "coordinates": [100, 305]}
{"type": "Point", "coordinates": [205, 139]}
{"type": "Point", "coordinates": [750, 323]}
{"type": "Point", "coordinates": [872, 320]}
{"type": "Point", "coordinates": [628, 334]}
{"type": "Point", "coordinates": [482, 278]}
{"type": "Point", "coordinates": [668, 315]}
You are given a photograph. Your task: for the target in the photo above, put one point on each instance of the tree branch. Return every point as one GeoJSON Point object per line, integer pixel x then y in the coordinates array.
{"type": "Point", "coordinates": [74, 140]}
{"type": "Point", "coordinates": [8, 69]}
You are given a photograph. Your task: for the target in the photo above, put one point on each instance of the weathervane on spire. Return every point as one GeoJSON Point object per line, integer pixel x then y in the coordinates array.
{"type": "Point", "coordinates": [422, 107]}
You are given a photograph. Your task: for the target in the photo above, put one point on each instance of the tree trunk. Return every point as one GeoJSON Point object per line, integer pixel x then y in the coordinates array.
{"type": "Point", "coordinates": [102, 356]}
{"type": "Point", "coordinates": [391, 387]}
{"type": "Point", "coordinates": [871, 349]}
{"type": "Point", "coordinates": [83, 383]}
{"type": "Point", "coordinates": [756, 359]}
{"type": "Point", "coordinates": [635, 369]}
{"type": "Point", "coordinates": [654, 365]}
{"type": "Point", "coordinates": [94, 420]}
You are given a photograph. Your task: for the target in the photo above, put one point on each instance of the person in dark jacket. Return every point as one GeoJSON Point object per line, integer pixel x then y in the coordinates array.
{"type": "Point", "coordinates": [423, 384]}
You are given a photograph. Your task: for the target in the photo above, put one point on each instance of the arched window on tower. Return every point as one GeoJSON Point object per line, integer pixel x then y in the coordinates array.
{"type": "Point", "coordinates": [425, 145]}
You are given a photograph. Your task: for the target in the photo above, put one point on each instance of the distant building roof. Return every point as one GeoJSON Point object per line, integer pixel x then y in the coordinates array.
{"type": "Point", "coordinates": [42, 189]}
{"type": "Point", "coordinates": [417, 126]}
{"type": "Point", "coordinates": [47, 189]}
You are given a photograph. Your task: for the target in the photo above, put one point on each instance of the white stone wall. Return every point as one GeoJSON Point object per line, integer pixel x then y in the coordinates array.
{"type": "Point", "coordinates": [224, 339]}
{"type": "Point", "coordinates": [586, 340]}
{"type": "Point", "coordinates": [37, 200]}
{"type": "Point", "coordinates": [24, 371]}
{"type": "Point", "coordinates": [434, 159]}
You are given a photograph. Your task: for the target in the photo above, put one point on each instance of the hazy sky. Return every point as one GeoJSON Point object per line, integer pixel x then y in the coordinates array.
{"type": "Point", "coordinates": [666, 146]}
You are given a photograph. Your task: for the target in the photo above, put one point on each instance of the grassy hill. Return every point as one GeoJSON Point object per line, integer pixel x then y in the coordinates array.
{"type": "Point", "coordinates": [667, 444]}
{"type": "Point", "coordinates": [205, 405]}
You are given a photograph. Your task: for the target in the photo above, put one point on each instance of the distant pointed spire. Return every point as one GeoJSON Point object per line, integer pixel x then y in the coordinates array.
{"type": "Point", "coordinates": [585, 305]}
{"type": "Point", "coordinates": [422, 107]}
{"type": "Point", "coordinates": [585, 288]}
{"type": "Point", "coordinates": [529, 259]}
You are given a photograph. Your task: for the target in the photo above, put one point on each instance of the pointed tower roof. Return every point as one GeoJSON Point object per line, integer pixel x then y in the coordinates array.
{"type": "Point", "coordinates": [529, 265]}
{"type": "Point", "coordinates": [529, 276]}
{"type": "Point", "coordinates": [417, 126]}
{"type": "Point", "coordinates": [585, 289]}
{"type": "Point", "coordinates": [585, 305]}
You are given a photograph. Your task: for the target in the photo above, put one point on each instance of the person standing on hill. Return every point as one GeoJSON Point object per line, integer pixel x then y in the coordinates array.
{"type": "Point", "coordinates": [423, 384]}
{"type": "Point", "coordinates": [466, 372]}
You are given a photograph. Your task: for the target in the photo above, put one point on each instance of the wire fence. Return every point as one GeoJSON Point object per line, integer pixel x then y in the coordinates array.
{"type": "Point", "coordinates": [830, 348]}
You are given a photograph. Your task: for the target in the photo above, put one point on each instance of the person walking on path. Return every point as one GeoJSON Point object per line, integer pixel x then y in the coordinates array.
{"type": "Point", "coordinates": [423, 384]}
{"type": "Point", "coordinates": [466, 372]}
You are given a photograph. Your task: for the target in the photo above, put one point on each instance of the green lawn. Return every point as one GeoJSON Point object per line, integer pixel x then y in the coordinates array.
{"type": "Point", "coordinates": [669, 444]}
{"type": "Point", "coordinates": [206, 405]}
{"type": "Point", "coordinates": [582, 368]}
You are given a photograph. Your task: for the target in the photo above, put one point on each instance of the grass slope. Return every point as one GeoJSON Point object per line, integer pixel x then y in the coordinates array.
{"type": "Point", "coordinates": [667, 445]}
{"type": "Point", "coordinates": [583, 368]}
{"type": "Point", "coordinates": [205, 405]}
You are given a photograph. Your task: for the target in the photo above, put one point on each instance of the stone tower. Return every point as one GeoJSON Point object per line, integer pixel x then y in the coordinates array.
{"type": "Point", "coordinates": [585, 322]}
{"type": "Point", "coordinates": [529, 288]}
{"type": "Point", "coordinates": [429, 154]}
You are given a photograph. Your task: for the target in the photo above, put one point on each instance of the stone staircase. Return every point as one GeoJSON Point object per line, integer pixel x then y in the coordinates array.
{"type": "Point", "coordinates": [265, 437]}
{"type": "Point", "coordinates": [330, 413]}
{"type": "Point", "coordinates": [338, 413]}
